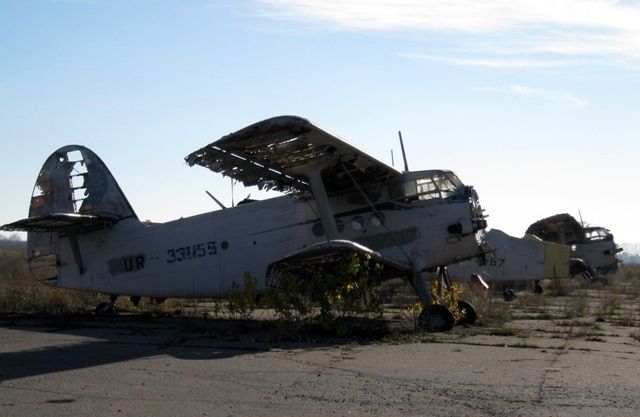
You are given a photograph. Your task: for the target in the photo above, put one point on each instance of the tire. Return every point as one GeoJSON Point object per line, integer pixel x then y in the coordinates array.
{"type": "Point", "coordinates": [537, 289]}
{"type": "Point", "coordinates": [509, 295]}
{"type": "Point", "coordinates": [468, 311]}
{"type": "Point", "coordinates": [436, 318]}
{"type": "Point", "coordinates": [105, 309]}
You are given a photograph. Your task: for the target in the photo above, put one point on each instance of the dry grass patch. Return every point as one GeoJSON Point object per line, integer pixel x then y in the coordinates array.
{"type": "Point", "coordinates": [575, 306]}
{"type": "Point", "coordinates": [19, 293]}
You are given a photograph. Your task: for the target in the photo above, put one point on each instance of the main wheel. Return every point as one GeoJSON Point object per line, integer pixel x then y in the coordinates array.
{"type": "Point", "coordinates": [537, 289]}
{"type": "Point", "coordinates": [468, 312]}
{"type": "Point", "coordinates": [436, 318]}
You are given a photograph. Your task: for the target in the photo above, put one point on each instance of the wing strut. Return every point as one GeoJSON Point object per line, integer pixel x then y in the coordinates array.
{"type": "Point", "coordinates": [322, 201]}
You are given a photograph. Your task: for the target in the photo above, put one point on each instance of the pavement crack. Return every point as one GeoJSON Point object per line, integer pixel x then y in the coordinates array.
{"type": "Point", "coordinates": [551, 368]}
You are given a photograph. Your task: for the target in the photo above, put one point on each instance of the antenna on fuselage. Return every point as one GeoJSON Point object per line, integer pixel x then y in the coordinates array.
{"type": "Point", "coordinates": [404, 155]}
{"type": "Point", "coordinates": [232, 202]}
{"type": "Point", "coordinates": [215, 199]}
{"type": "Point", "coordinates": [581, 222]}
{"type": "Point", "coordinates": [392, 161]}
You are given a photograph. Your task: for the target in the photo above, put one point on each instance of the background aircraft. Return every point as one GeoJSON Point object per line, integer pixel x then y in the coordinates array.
{"type": "Point", "coordinates": [515, 259]}
{"type": "Point", "coordinates": [593, 250]}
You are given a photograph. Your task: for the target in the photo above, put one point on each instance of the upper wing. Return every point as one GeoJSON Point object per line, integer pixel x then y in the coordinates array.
{"type": "Point", "coordinates": [272, 154]}
{"type": "Point", "coordinates": [552, 227]}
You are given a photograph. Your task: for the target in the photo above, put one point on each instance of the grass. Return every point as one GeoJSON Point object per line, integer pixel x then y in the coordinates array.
{"type": "Point", "coordinates": [575, 306]}
{"type": "Point", "coordinates": [21, 294]}
{"type": "Point", "coordinates": [492, 311]}
{"type": "Point", "coordinates": [571, 305]}
{"type": "Point", "coordinates": [625, 318]}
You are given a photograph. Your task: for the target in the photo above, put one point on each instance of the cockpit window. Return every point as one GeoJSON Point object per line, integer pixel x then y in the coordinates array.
{"type": "Point", "coordinates": [596, 234]}
{"type": "Point", "coordinates": [436, 185]}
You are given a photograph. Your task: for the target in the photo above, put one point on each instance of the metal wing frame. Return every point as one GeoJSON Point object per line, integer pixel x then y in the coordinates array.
{"type": "Point", "coordinates": [325, 258]}
{"type": "Point", "coordinates": [275, 153]}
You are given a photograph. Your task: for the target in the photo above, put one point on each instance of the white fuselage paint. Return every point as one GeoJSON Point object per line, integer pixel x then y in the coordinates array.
{"type": "Point", "coordinates": [257, 234]}
{"type": "Point", "coordinates": [515, 259]}
{"type": "Point", "coordinates": [601, 254]}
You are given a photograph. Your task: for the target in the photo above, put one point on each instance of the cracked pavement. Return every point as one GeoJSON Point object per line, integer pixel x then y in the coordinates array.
{"type": "Point", "coordinates": [136, 367]}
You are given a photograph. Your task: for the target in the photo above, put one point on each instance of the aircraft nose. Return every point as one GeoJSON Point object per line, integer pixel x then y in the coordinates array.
{"type": "Point", "coordinates": [477, 212]}
{"type": "Point", "coordinates": [479, 224]}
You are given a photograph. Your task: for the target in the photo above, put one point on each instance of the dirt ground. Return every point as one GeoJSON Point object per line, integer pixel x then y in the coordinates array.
{"type": "Point", "coordinates": [573, 351]}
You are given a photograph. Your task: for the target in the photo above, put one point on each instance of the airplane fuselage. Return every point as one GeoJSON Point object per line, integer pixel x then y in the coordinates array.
{"type": "Point", "coordinates": [200, 256]}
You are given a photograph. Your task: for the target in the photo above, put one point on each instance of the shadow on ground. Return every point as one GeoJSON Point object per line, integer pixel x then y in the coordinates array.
{"type": "Point", "coordinates": [88, 341]}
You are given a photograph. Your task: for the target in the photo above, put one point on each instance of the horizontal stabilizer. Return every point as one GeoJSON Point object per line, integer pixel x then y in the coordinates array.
{"type": "Point", "coordinates": [325, 257]}
{"type": "Point", "coordinates": [61, 222]}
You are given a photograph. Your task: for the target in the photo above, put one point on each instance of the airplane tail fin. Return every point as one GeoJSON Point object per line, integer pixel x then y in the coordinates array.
{"type": "Point", "coordinates": [556, 257]}
{"type": "Point", "coordinates": [74, 193]}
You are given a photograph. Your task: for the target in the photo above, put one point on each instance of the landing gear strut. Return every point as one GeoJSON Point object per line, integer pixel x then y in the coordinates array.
{"type": "Point", "coordinates": [135, 300]}
{"type": "Point", "coordinates": [537, 288]}
{"type": "Point", "coordinates": [438, 317]}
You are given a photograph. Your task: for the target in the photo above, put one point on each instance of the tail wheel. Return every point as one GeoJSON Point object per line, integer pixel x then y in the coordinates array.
{"type": "Point", "coordinates": [105, 309]}
{"type": "Point", "coordinates": [509, 295]}
{"type": "Point", "coordinates": [468, 312]}
{"type": "Point", "coordinates": [436, 318]}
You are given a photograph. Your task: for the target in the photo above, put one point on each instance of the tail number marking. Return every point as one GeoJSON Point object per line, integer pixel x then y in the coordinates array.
{"type": "Point", "coordinates": [197, 250]}
{"type": "Point", "coordinates": [131, 263]}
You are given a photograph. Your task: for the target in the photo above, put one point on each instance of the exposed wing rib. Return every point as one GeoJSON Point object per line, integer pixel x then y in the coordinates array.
{"type": "Point", "coordinates": [272, 154]}
{"type": "Point", "coordinates": [549, 228]}
{"type": "Point", "coordinates": [325, 257]}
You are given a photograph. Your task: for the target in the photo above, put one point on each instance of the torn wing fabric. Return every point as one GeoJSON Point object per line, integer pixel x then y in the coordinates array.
{"type": "Point", "coordinates": [275, 153]}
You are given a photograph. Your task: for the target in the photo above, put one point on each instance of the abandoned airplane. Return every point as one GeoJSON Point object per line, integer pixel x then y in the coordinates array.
{"type": "Point", "coordinates": [84, 234]}
{"type": "Point", "coordinates": [515, 259]}
{"type": "Point", "coordinates": [593, 250]}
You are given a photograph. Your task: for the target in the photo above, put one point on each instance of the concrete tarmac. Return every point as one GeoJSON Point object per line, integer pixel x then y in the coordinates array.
{"type": "Point", "coordinates": [160, 367]}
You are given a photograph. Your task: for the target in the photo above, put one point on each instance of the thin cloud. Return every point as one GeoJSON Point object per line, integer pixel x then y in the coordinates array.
{"type": "Point", "coordinates": [525, 91]}
{"type": "Point", "coordinates": [560, 27]}
{"type": "Point", "coordinates": [506, 63]}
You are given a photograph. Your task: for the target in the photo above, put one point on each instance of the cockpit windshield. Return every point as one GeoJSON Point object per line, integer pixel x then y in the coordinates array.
{"type": "Point", "coordinates": [429, 185]}
{"type": "Point", "coordinates": [597, 233]}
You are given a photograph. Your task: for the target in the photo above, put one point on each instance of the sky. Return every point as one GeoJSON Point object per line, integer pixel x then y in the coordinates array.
{"type": "Point", "coordinates": [536, 103]}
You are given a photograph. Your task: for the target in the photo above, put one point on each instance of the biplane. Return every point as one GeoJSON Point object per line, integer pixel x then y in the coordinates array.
{"type": "Point", "coordinates": [593, 249]}
{"type": "Point", "coordinates": [336, 201]}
